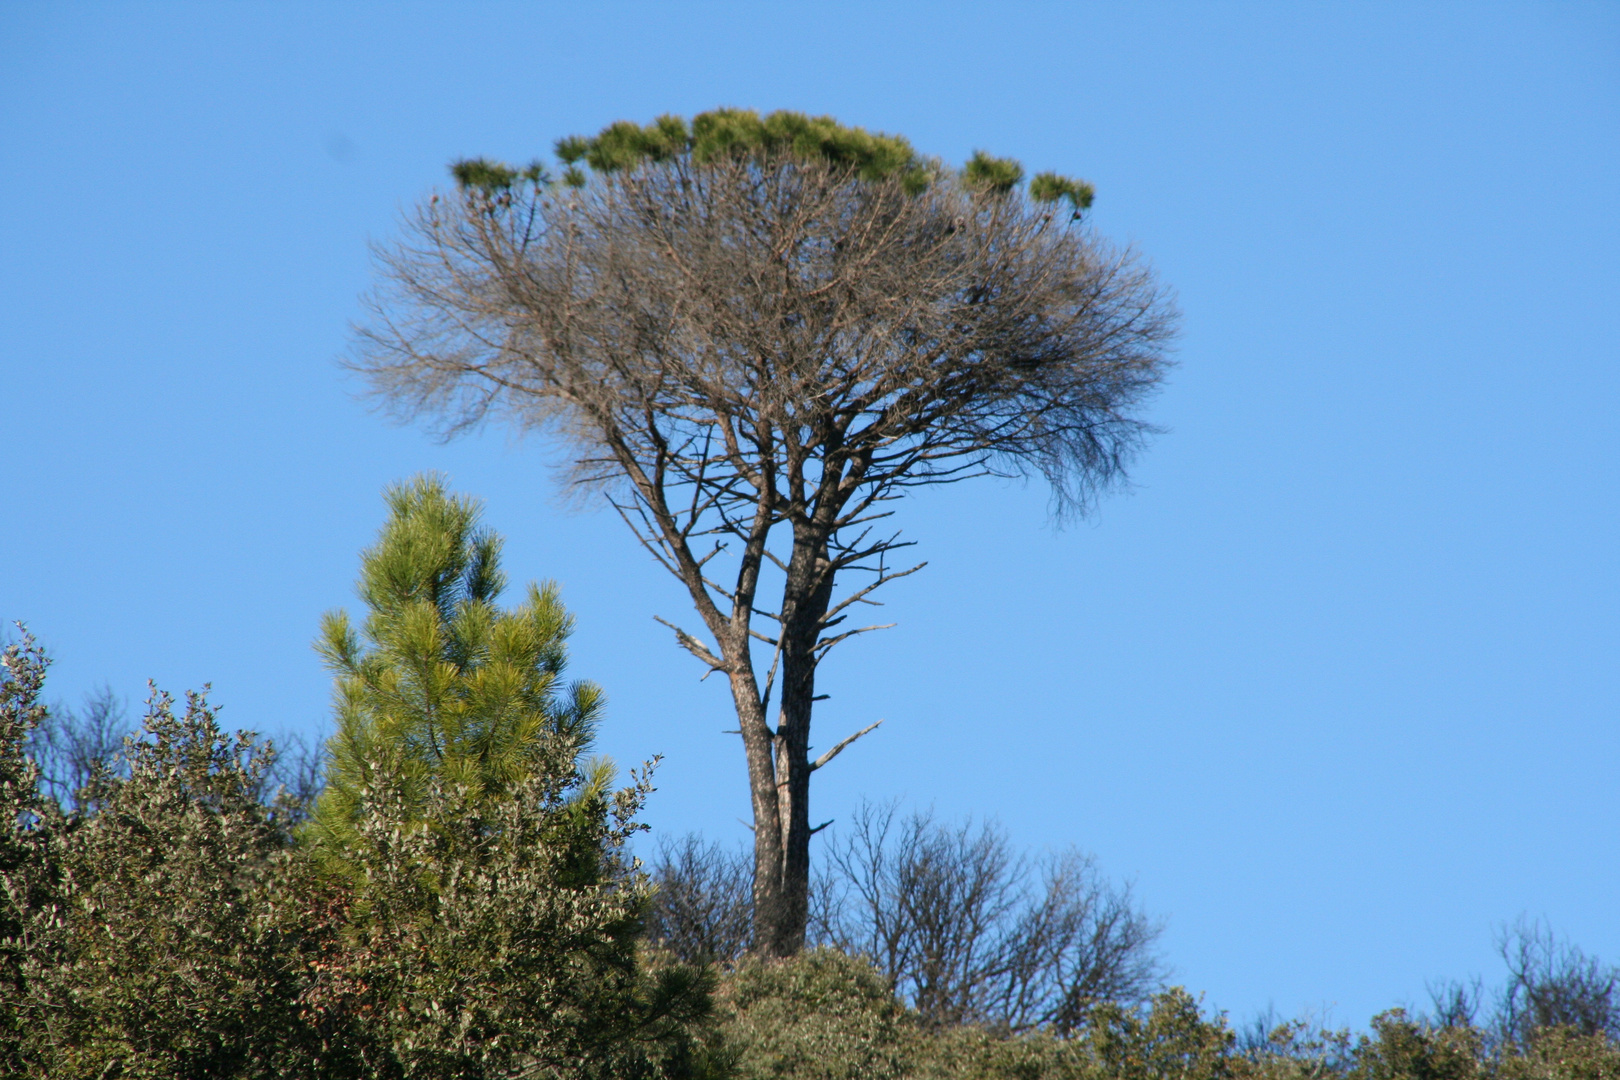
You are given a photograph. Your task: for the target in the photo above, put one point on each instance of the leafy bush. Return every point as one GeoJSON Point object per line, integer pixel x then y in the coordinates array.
{"type": "Point", "coordinates": [821, 1015]}
{"type": "Point", "coordinates": [24, 835]}
{"type": "Point", "coordinates": [151, 946]}
{"type": "Point", "coordinates": [168, 925]}
{"type": "Point", "coordinates": [1563, 1053]}
{"type": "Point", "coordinates": [474, 941]}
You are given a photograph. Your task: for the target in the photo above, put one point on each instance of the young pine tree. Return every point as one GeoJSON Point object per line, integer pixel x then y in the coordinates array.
{"type": "Point", "coordinates": [483, 912]}
{"type": "Point", "coordinates": [439, 686]}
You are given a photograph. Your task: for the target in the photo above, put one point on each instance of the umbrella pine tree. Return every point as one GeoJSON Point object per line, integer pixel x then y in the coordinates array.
{"type": "Point", "coordinates": [753, 334]}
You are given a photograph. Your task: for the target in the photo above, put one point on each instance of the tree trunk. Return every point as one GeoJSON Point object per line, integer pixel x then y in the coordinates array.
{"type": "Point", "coordinates": [770, 906]}
{"type": "Point", "coordinates": [782, 823]}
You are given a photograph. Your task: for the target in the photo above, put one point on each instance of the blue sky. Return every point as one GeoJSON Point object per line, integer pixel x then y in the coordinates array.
{"type": "Point", "coordinates": [1334, 685]}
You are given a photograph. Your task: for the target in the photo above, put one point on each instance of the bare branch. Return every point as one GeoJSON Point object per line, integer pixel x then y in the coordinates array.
{"type": "Point", "coordinates": [693, 645]}
{"type": "Point", "coordinates": [968, 930]}
{"type": "Point", "coordinates": [836, 750]}
{"type": "Point", "coordinates": [859, 596]}
{"type": "Point", "coordinates": [827, 643]}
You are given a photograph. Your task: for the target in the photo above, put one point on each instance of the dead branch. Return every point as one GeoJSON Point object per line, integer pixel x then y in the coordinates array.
{"type": "Point", "coordinates": [838, 749]}
{"type": "Point", "coordinates": [693, 645]}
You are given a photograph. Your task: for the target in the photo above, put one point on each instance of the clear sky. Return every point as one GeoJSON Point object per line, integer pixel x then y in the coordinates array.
{"type": "Point", "coordinates": [1335, 684]}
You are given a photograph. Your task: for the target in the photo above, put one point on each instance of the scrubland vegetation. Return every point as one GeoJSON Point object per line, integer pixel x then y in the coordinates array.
{"type": "Point", "coordinates": [447, 891]}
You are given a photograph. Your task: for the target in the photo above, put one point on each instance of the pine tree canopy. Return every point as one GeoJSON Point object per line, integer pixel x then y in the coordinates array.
{"type": "Point", "coordinates": [722, 134]}
{"type": "Point", "coordinates": [439, 683]}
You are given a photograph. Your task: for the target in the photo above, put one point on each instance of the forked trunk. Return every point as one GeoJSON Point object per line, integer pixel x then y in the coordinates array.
{"type": "Point", "coordinates": [782, 796]}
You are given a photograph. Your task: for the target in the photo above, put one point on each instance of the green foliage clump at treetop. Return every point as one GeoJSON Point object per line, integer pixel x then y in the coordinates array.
{"type": "Point", "coordinates": [440, 684]}
{"type": "Point", "coordinates": [996, 174]}
{"type": "Point", "coordinates": [727, 134]}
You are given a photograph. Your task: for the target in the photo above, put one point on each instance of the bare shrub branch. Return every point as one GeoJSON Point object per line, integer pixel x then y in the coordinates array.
{"type": "Point", "coordinates": [1553, 983]}
{"type": "Point", "coordinates": [701, 907]}
{"type": "Point", "coordinates": [969, 931]}
{"type": "Point", "coordinates": [76, 746]}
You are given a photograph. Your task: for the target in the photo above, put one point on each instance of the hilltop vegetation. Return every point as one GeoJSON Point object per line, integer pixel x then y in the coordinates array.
{"type": "Point", "coordinates": [458, 900]}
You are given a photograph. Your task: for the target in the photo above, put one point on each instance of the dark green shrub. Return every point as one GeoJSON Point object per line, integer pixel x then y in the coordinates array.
{"type": "Point", "coordinates": [156, 951]}
{"type": "Point", "coordinates": [821, 1015]}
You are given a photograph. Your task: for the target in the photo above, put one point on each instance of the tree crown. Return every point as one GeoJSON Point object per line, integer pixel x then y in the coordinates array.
{"type": "Point", "coordinates": [743, 134]}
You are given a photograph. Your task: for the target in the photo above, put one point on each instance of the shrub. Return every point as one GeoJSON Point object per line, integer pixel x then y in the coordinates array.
{"type": "Point", "coordinates": [156, 950]}
{"type": "Point", "coordinates": [822, 1015]}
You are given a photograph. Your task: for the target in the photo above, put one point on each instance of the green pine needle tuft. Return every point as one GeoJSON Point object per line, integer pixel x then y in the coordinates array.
{"type": "Point", "coordinates": [998, 175]}
{"type": "Point", "coordinates": [571, 148]}
{"type": "Point", "coordinates": [1050, 187]}
{"type": "Point", "coordinates": [481, 174]}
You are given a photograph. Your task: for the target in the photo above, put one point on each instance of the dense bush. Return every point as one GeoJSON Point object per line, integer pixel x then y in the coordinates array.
{"type": "Point", "coordinates": [460, 907]}
{"type": "Point", "coordinates": [473, 941]}
{"type": "Point", "coordinates": [827, 1015]}
{"type": "Point", "coordinates": [25, 831]}
{"type": "Point", "coordinates": [821, 1015]}
{"type": "Point", "coordinates": [156, 949]}
{"type": "Point", "coordinates": [169, 924]}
